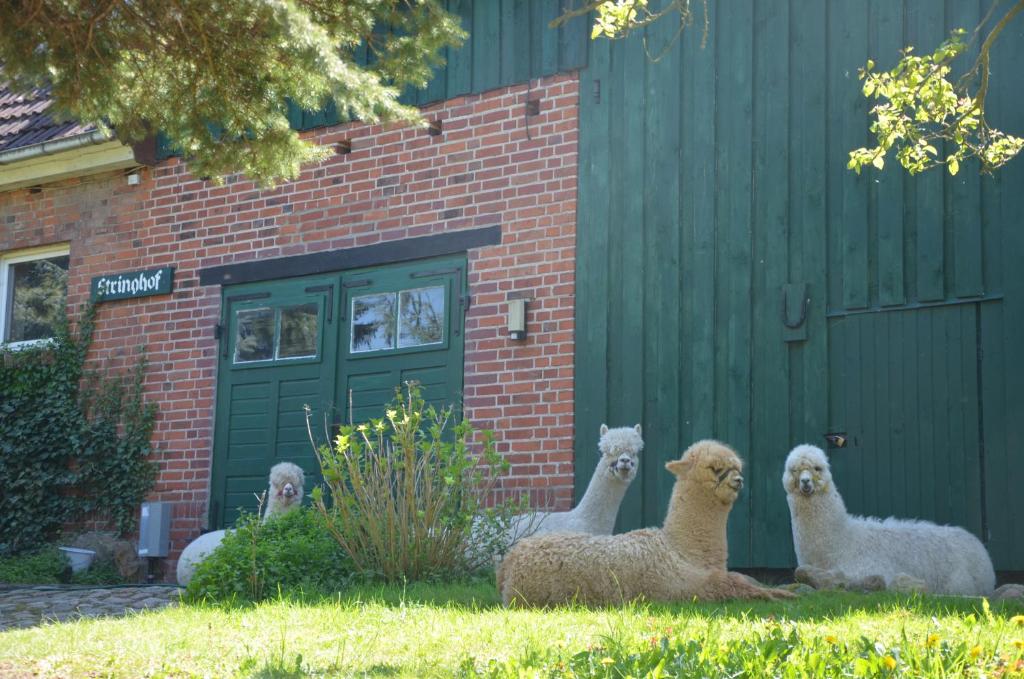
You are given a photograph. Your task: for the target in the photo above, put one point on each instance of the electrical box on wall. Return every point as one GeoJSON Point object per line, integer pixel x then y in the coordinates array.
{"type": "Point", "coordinates": [155, 529]}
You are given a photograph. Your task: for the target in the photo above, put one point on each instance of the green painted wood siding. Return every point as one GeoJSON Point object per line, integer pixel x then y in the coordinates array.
{"type": "Point", "coordinates": [509, 42]}
{"type": "Point", "coordinates": [715, 177]}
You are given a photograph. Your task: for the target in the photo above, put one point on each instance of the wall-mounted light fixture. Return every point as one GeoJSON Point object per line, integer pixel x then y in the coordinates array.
{"type": "Point", "coordinates": [134, 179]}
{"type": "Point", "coordinates": [517, 319]}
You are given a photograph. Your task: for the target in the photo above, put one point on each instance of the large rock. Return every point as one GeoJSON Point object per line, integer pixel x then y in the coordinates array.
{"type": "Point", "coordinates": [111, 549]}
{"type": "Point", "coordinates": [1008, 591]}
{"type": "Point", "coordinates": [195, 553]}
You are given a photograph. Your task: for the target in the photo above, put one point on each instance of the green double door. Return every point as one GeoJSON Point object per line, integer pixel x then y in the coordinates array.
{"type": "Point", "coordinates": [338, 343]}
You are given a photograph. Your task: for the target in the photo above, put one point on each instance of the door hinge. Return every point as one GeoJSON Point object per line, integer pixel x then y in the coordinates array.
{"type": "Point", "coordinates": [218, 331]}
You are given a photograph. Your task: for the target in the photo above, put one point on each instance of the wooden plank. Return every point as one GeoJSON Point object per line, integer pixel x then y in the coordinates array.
{"type": "Point", "coordinates": [459, 72]}
{"type": "Point", "coordinates": [887, 187]}
{"type": "Point", "coordinates": [628, 315]}
{"type": "Point", "coordinates": [848, 192]}
{"type": "Point", "coordinates": [662, 193]}
{"type": "Point", "coordinates": [486, 36]}
{"type": "Point", "coordinates": [508, 45]}
{"type": "Point", "coordinates": [925, 23]}
{"type": "Point", "coordinates": [808, 251]}
{"type": "Point", "coordinates": [963, 191]}
{"type": "Point", "coordinates": [545, 38]}
{"type": "Point", "coordinates": [592, 291]}
{"type": "Point", "coordinates": [948, 429]}
{"type": "Point", "coordinates": [1003, 534]}
{"type": "Point", "coordinates": [770, 419]}
{"type": "Point", "coordinates": [733, 253]}
{"type": "Point", "coordinates": [522, 55]}
{"type": "Point", "coordinates": [697, 220]}
{"type": "Point", "coordinates": [573, 37]}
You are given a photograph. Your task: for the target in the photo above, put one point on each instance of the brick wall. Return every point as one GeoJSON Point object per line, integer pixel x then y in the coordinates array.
{"type": "Point", "coordinates": [492, 165]}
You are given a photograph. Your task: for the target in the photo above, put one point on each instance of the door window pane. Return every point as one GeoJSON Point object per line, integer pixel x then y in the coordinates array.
{"type": "Point", "coordinates": [254, 340]}
{"type": "Point", "coordinates": [373, 322]}
{"type": "Point", "coordinates": [37, 299]}
{"type": "Point", "coordinates": [422, 317]}
{"type": "Point", "coordinates": [299, 325]}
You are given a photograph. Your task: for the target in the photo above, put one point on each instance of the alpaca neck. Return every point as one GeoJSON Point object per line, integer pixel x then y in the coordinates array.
{"type": "Point", "coordinates": [600, 504]}
{"type": "Point", "coordinates": [820, 527]}
{"type": "Point", "coordinates": [695, 526]}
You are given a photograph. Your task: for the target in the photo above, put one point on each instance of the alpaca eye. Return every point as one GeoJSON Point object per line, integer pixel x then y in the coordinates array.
{"type": "Point", "coordinates": [716, 470]}
{"type": "Point", "coordinates": [817, 469]}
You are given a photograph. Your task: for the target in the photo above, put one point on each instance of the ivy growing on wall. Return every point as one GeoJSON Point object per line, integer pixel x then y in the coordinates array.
{"type": "Point", "coordinates": [74, 442]}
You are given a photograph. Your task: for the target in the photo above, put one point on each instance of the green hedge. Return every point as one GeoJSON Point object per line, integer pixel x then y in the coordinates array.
{"type": "Point", "coordinates": [292, 553]}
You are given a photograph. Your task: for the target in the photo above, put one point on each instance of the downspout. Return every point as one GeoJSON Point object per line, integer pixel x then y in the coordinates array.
{"type": "Point", "coordinates": [47, 148]}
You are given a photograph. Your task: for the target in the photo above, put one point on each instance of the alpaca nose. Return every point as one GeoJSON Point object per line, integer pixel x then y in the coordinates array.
{"type": "Point", "coordinates": [806, 486]}
{"type": "Point", "coordinates": [625, 462]}
{"type": "Point", "coordinates": [289, 490]}
{"type": "Point", "coordinates": [737, 483]}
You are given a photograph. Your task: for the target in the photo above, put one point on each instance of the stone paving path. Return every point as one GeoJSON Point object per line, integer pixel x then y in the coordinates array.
{"type": "Point", "coordinates": [30, 606]}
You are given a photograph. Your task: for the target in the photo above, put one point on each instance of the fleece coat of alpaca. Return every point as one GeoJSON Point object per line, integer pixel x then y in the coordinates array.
{"type": "Point", "coordinates": [686, 558]}
{"type": "Point", "coordinates": [285, 492]}
{"type": "Point", "coordinates": [598, 508]}
{"type": "Point", "coordinates": [945, 559]}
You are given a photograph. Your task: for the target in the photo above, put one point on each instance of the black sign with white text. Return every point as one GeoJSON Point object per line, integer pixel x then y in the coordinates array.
{"type": "Point", "coordinates": [133, 284]}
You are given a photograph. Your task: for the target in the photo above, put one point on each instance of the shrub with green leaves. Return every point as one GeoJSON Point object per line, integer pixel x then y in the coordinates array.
{"type": "Point", "coordinates": [292, 553]}
{"type": "Point", "coordinates": [73, 442]}
{"type": "Point", "coordinates": [409, 498]}
{"type": "Point", "coordinates": [46, 566]}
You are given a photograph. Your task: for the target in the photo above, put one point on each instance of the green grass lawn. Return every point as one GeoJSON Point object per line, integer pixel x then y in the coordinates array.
{"type": "Point", "coordinates": [461, 630]}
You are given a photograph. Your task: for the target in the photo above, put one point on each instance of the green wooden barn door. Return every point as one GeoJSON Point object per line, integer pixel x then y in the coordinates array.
{"type": "Point", "coordinates": [278, 354]}
{"type": "Point", "coordinates": [400, 324]}
{"type": "Point", "coordinates": [326, 341]}
{"type": "Point", "coordinates": [903, 392]}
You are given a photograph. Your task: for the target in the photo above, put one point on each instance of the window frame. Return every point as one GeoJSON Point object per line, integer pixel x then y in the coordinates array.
{"type": "Point", "coordinates": [7, 259]}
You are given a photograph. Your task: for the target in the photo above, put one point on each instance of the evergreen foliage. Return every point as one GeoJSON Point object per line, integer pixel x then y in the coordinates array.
{"type": "Point", "coordinates": [215, 75]}
{"type": "Point", "coordinates": [73, 441]}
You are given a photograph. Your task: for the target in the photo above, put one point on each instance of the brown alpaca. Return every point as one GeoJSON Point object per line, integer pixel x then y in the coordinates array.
{"type": "Point", "coordinates": [684, 559]}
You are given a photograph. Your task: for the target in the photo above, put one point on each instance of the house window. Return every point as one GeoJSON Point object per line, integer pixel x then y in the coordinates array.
{"type": "Point", "coordinates": [33, 294]}
{"type": "Point", "coordinates": [389, 320]}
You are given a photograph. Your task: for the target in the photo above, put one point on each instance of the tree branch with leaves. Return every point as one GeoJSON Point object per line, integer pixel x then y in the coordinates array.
{"type": "Point", "coordinates": [921, 109]}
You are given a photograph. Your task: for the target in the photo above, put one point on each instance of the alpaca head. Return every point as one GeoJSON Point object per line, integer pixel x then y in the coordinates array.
{"type": "Point", "coordinates": [620, 451]}
{"type": "Point", "coordinates": [807, 472]}
{"type": "Point", "coordinates": [286, 482]}
{"type": "Point", "coordinates": [710, 468]}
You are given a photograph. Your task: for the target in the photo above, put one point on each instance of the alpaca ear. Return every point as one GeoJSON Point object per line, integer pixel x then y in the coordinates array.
{"type": "Point", "coordinates": [678, 467]}
{"type": "Point", "coordinates": [638, 430]}
{"type": "Point", "coordinates": [604, 429]}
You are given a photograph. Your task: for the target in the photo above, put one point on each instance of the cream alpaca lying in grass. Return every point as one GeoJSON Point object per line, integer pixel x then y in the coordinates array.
{"type": "Point", "coordinates": [684, 559]}
{"type": "Point", "coordinates": [596, 512]}
{"type": "Point", "coordinates": [833, 546]}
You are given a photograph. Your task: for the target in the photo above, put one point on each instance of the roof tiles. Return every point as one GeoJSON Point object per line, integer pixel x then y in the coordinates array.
{"type": "Point", "coordinates": [25, 120]}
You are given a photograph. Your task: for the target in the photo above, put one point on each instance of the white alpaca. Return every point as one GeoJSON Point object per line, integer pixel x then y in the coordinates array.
{"type": "Point", "coordinates": [595, 514]}
{"type": "Point", "coordinates": [681, 561]}
{"type": "Point", "coordinates": [906, 554]}
{"type": "Point", "coordinates": [285, 491]}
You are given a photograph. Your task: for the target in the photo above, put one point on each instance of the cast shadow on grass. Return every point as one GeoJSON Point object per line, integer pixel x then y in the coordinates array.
{"type": "Point", "coordinates": [832, 604]}
{"type": "Point", "coordinates": [480, 594]}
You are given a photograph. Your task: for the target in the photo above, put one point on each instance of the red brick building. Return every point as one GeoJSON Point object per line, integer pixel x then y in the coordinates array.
{"type": "Point", "coordinates": [490, 192]}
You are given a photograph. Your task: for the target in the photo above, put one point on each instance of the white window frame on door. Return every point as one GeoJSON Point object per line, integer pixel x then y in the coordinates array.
{"type": "Point", "coordinates": [18, 257]}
